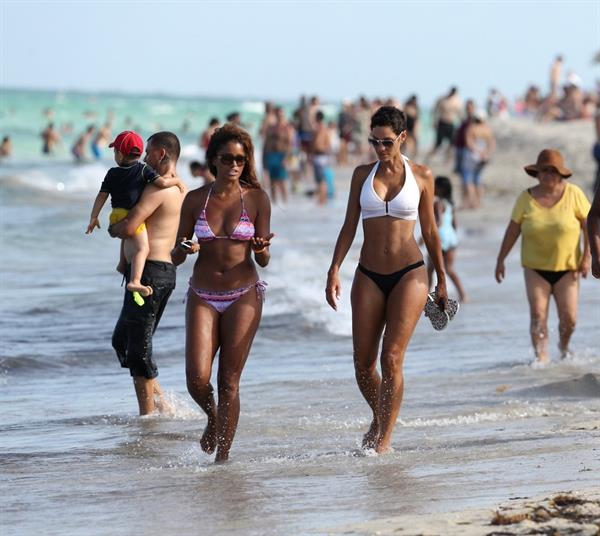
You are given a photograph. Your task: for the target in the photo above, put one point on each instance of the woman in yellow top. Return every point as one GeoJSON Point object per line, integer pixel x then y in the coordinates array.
{"type": "Point", "coordinates": [551, 217]}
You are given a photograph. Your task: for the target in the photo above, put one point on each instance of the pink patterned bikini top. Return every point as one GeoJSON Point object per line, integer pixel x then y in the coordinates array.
{"type": "Point", "coordinates": [244, 230]}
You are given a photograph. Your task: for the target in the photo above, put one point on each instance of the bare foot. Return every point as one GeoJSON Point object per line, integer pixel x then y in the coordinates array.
{"type": "Point", "coordinates": [208, 441]}
{"type": "Point", "coordinates": [370, 438]}
{"type": "Point", "coordinates": [565, 352]}
{"type": "Point", "coordinates": [384, 448]}
{"type": "Point", "coordinates": [543, 358]}
{"type": "Point", "coordinates": [138, 287]}
{"type": "Point", "coordinates": [162, 405]}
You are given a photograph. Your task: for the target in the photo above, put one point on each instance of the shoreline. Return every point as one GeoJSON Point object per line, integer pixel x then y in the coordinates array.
{"type": "Point", "coordinates": [559, 513]}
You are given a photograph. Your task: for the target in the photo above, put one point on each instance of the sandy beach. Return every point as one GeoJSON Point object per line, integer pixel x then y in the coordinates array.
{"type": "Point", "coordinates": [559, 514]}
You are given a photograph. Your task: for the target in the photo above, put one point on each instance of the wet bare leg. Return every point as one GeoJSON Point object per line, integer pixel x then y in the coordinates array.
{"type": "Point", "coordinates": [566, 294]}
{"type": "Point", "coordinates": [202, 324]}
{"type": "Point", "coordinates": [538, 295]}
{"type": "Point", "coordinates": [144, 391]}
{"type": "Point", "coordinates": [236, 332]}
{"type": "Point", "coordinates": [162, 405]}
{"type": "Point", "coordinates": [449, 257]}
{"type": "Point", "coordinates": [137, 249]}
{"type": "Point", "coordinates": [404, 307]}
{"type": "Point", "coordinates": [368, 306]}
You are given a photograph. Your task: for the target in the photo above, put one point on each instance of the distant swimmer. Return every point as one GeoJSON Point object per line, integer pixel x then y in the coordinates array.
{"type": "Point", "coordinates": [100, 140]}
{"type": "Point", "coordinates": [50, 138]}
{"type": "Point", "coordinates": [6, 147]}
{"type": "Point", "coordinates": [125, 184]}
{"type": "Point", "coordinates": [551, 217]}
{"type": "Point", "coordinates": [390, 285]}
{"type": "Point", "coordinates": [159, 210]}
{"type": "Point", "coordinates": [79, 148]}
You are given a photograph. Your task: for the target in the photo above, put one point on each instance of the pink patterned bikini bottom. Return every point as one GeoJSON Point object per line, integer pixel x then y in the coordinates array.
{"type": "Point", "coordinates": [220, 300]}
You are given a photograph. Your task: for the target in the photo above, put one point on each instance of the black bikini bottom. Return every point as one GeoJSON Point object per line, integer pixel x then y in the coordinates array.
{"type": "Point", "coordinates": [387, 282]}
{"type": "Point", "coordinates": [550, 276]}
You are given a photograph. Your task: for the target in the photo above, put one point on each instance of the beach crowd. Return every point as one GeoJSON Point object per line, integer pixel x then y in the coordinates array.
{"type": "Point", "coordinates": [225, 226]}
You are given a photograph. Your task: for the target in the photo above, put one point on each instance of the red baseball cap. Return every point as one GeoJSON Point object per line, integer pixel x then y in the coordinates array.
{"type": "Point", "coordinates": [129, 143]}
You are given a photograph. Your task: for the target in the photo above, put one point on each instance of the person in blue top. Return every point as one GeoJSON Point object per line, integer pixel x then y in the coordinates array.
{"type": "Point", "coordinates": [443, 207]}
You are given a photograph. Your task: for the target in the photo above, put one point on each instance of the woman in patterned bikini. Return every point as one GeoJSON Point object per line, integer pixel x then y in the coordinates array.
{"type": "Point", "coordinates": [231, 219]}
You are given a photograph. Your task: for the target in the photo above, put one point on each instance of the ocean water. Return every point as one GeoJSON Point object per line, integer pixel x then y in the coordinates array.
{"type": "Point", "coordinates": [479, 423]}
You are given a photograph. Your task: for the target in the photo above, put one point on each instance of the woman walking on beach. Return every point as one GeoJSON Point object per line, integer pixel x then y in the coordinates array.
{"type": "Point", "coordinates": [231, 219]}
{"type": "Point", "coordinates": [551, 217]}
{"type": "Point", "coordinates": [390, 283]}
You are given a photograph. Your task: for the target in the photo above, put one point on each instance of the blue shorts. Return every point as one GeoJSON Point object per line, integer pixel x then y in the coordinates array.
{"type": "Point", "coordinates": [276, 165]}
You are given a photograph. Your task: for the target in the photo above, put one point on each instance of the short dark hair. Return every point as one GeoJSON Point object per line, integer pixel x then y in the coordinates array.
{"type": "Point", "coordinates": [319, 116]}
{"type": "Point", "coordinates": [214, 121]}
{"type": "Point", "coordinates": [194, 164]}
{"type": "Point", "coordinates": [389, 116]}
{"type": "Point", "coordinates": [167, 141]}
{"type": "Point", "coordinates": [231, 117]}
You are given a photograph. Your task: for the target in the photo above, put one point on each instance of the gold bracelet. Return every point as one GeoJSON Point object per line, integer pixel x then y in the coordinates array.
{"type": "Point", "coordinates": [260, 250]}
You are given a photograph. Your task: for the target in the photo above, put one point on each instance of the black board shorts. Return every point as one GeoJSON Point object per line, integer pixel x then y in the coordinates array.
{"type": "Point", "coordinates": [132, 337]}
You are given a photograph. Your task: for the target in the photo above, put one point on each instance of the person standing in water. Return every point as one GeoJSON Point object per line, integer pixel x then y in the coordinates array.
{"type": "Point", "coordinates": [551, 217]}
{"type": "Point", "coordinates": [445, 218]}
{"type": "Point", "coordinates": [390, 283]}
{"type": "Point", "coordinates": [159, 209]}
{"type": "Point", "coordinates": [231, 219]}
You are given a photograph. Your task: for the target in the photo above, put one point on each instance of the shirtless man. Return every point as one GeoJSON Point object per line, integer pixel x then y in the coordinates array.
{"type": "Point", "coordinates": [50, 139]}
{"type": "Point", "coordinates": [446, 116]}
{"type": "Point", "coordinates": [159, 208]}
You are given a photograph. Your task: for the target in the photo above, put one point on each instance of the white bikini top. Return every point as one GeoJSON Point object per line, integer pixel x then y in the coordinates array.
{"type": "Point", "coordinates": [404, 206]}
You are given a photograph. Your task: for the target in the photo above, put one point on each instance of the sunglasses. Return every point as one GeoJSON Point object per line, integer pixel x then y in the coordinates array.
{"type": "Point", "coordinates": [387, 143]}
{"type": "Point", "coordinates": [229, 159]}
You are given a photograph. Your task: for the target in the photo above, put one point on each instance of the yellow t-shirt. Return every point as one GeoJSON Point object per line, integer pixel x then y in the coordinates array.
{"type": "Point", "coordinates": [551, 236]}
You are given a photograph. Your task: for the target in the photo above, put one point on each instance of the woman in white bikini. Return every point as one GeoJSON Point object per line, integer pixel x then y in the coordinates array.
{"type": "Point", "coordinates": [231, 219]}
{"type": "Point", "coordinates": [390, 284]}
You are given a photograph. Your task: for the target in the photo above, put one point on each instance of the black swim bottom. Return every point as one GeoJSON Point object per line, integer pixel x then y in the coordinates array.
{"type": "Point", "coordinates": [132, 337]}
{"type": "Point", "coordinates": [387, 282]}
{"type": "Point", "coordinates": [552, 277]}
{"type": "Point", "coordinates": [445, 131]}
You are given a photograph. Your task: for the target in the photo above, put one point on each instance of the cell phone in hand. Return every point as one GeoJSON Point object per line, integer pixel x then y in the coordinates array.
{"type": "Point", "coordinates": [186, 244]}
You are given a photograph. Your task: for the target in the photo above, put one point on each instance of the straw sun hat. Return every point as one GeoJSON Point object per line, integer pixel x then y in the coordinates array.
{"type": "Point", "coordinates": [549, 157]}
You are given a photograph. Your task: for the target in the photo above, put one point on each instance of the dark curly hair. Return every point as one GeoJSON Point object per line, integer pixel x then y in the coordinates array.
{"type": "Point", "coordinates": [222, 136]}
{"type": "Point", "coordinates": [389, 116]}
